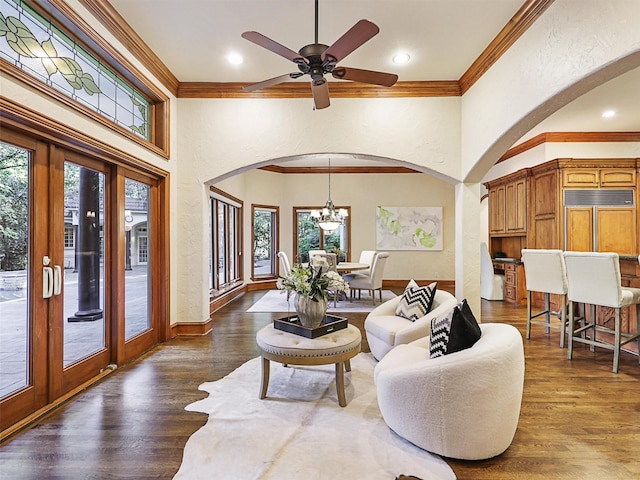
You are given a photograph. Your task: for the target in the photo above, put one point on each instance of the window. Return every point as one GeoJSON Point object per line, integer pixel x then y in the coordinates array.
{"type": "Point", "coordinates": [309, 236]}
{"type": "Point", "coordinates": [143, 245]}
{"type": "Point", "coordinates": [225, 220]}
{"type": "Point", "coordinates": [68, 237]}
{"type": "Point", "coordinates": [58, 64]}
{"type": "Point", "coordinates": [265, 241]}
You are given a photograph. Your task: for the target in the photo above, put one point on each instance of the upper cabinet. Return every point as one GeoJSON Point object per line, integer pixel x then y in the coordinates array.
{"type": "Point", "coordinates": [598, 177]}
{"type": "Point", "coordinates": [508, 205]}
{"type": "Point", "coordinates": [570, 204]}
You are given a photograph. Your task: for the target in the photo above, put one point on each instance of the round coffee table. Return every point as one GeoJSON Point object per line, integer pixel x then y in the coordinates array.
{"type": "Point", "coordinates": [287, 348]}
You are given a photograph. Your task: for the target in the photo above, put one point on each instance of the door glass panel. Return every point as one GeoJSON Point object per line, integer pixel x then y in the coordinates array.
{"type": "Point", "coordinates": [222, 250]}
{"type": "Point", "coordinates": [308, 237]}
{"type": "Point", "coordinates": [264, 242]}
{"type": "Point", "coordinates": [14, 268]}
{"type": "Point", "coordinates": [84, 325]}
{"type": "Point", "coordinates": [136, 275]}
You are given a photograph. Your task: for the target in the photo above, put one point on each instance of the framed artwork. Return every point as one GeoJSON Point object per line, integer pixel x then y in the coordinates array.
{"type": "Point", "coordinates": [409, 228]}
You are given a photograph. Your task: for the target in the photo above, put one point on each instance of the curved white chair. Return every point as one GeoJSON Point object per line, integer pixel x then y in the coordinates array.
{"type": "Point", "coordinates": [284, 263]}
{"type": "Point", "coordinates": [463, 405]}
{"type": "Point", "coordinates": [385, 330]}
{"type": "Point", "coordinates": [491, 284]}
{"type": "Point", "coordinates": [546, 272]}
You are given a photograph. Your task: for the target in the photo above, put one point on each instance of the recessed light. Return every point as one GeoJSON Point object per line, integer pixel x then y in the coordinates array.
{"type": "Point", "coordinates": [234, 59]}
{"type": "Point", "coordinates": [608, 113]}
{"type": "Point", "coordinates": [401, 58]}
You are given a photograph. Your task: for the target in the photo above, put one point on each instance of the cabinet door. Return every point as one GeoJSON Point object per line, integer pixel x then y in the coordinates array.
{"type": "Point", "coordinates": [516, 206]}
{"type": "Point", "coordinates": [497, 209]}
{"type": "Point", "coordinates": [579, 233]}
{"type": "Point", "coordinates": [617, 177]}
{"type": "Point", "coordinates": [580, 177]}
{"type": "Point", "coordinates": [617, 230]}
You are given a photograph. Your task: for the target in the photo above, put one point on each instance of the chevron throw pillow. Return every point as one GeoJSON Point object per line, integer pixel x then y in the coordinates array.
{"type": "Point", "coordinates": [457, 330]}
{"type": "Point", "coordinates": [416, 301]}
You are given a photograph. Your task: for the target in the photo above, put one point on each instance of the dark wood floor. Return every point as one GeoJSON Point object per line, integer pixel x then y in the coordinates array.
{"type": "Point", "coordinates": [578, 419]}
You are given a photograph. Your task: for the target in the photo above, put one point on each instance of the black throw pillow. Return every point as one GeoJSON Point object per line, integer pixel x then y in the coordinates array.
{"type": "Point", "coordinates": [455, 331]}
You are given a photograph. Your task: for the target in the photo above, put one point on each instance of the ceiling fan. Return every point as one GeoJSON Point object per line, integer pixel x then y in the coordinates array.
{"type": "Point", "coordinates": [317, 59]}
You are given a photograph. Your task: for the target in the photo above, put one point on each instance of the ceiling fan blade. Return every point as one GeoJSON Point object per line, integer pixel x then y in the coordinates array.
{"type": "Point", "coordinates": [274, 46]}
{"type": "Point", "coordinates": [320, 92]}
{"type": "Point", "coordinates": [268, 83]}
{"type": "Point", "coordinates": [361, 32]}
{"type": "Point", "coordinates": [365, 76]}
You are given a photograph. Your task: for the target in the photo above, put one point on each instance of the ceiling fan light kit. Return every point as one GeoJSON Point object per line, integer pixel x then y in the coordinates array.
{"type": "Point", "coordinates": [317, 60]}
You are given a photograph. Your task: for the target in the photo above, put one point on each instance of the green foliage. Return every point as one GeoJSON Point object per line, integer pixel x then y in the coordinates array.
{"type": "Point", "coordinates": [308, 236]}
{"type": "Point", "coordinates": [261, 234]}
{"type": "Point", "coordinates": [313, 281]}
{"type": "Point", "coordinates": [14, 207]}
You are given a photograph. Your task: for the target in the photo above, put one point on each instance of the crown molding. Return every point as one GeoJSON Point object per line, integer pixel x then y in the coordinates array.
{"type": "Point", "coordinates": [338, 90]}
{"type": "Point", "coordinates": [109, 17]}
{"type": "Point", "coordinates": [569, 137]}
{"type": "Point", "coordinates": [519, 23]}
{"type": "Point", "coordinates": [530, 11]}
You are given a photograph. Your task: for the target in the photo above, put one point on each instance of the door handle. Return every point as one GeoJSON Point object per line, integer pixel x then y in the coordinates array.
{"type": "Point", "coordinates": [47, 282]}
{"type": "Point", "coordinates": [57, 279]}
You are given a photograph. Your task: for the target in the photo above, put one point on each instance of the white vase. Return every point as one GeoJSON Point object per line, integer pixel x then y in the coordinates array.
{"type": "Point", "coordinates": [310, 312]}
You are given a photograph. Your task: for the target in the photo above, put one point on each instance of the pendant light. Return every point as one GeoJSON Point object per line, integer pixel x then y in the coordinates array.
{"type": "Point", "coordinates": [328, 219]}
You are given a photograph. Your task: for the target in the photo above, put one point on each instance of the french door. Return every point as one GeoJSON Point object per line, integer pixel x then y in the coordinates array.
{"type": "Point", "coordinates": [77, 243]}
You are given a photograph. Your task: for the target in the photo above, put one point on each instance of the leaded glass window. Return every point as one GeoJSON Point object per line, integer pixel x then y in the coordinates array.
{"type": "Point", "coordinates": [35, 45]}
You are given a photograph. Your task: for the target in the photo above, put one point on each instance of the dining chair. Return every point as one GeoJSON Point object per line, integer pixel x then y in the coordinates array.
{"type": "Point", "coordinates": [594, 279]}
{"type": "Point", "coordinates": [284, 263]}
{"type": "Point", "coordinates": [546, 272]}
{"type": "Point", "coordinates": [366, 256]}
{"type": "Point", "coordinates": [372, 282]}
{"type": "Point", "coordinates": [313, 253]}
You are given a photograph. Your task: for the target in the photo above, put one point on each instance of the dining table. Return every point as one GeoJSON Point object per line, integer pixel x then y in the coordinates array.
{"type": "Point", "coordinates": [345, 267]}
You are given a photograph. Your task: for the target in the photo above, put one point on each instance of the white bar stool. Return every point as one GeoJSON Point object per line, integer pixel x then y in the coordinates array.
{"type": "Point", "coordinates": [594, 278]}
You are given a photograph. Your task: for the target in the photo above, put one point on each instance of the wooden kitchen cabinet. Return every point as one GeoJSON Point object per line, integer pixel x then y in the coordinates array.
{"type": "Point", "coordinates": [598, 177]}
{"type": "Point", "coordinates": [617, 230]}
{"type": "Point", "coordinates": [497, 209]}
{"type": "Point", "coordinates": [508, 206]}
{"type": "Point", "coordinates": [516, 206]}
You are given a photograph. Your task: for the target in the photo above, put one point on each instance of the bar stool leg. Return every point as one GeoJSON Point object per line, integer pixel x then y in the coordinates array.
{"type": "Point", "coordinates": [563, 320]}
{"type": "Point", "coordinates": [592, 347]}
{"type": "Point", "coordinates": [528, 314]}
{"type": "Point", "coordinates": [616, 346]}
{"type": "Point", "coordinates": [571, 329]}
{"type": "Point", "coordinates": [547, 313]}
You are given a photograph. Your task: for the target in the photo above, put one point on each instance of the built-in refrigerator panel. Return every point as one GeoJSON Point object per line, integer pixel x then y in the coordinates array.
{"type": "Point", "coordinates": [600, 220]}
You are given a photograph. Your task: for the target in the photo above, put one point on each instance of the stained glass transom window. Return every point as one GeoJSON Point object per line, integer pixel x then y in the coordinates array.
{"type": "Point", "coordinates": [34, 44]}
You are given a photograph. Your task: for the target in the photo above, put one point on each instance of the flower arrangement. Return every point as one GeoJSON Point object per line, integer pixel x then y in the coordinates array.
{"type": "Point", "coordinates": [313, 282]}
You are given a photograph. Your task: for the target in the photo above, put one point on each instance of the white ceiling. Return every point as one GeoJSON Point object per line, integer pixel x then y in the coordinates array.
{"type": "Point", "coordinates": [443, 37]}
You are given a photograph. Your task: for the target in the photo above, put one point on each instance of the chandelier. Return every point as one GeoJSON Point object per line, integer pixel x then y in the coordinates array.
{"type": "Point", "coordinates": [328, 219]}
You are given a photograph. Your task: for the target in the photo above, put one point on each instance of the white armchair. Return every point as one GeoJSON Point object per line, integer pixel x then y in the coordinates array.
{"type": "Point", "coordinates": [385, 330]}
{"type": "Point", "coordinates": [463, 405]}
